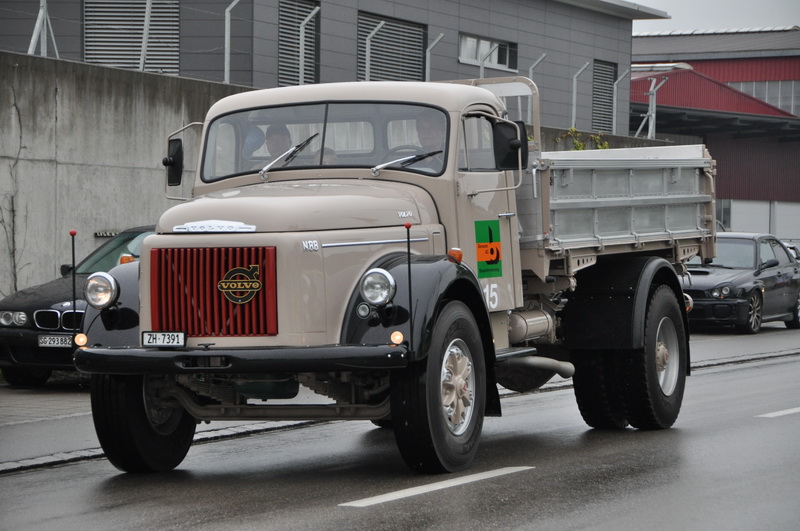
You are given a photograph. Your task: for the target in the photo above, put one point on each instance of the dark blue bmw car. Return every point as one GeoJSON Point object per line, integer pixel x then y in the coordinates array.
{"type": "Point", "coordinates": [753, 279]}
{"type": "Point", "coordinates": [37, 324]}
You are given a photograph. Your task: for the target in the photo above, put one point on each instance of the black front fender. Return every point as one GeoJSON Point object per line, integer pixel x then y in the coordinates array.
{"type": "Point", "coordinates": [435, 281]}
{"type": "Point", "coordinates": [119, 324]}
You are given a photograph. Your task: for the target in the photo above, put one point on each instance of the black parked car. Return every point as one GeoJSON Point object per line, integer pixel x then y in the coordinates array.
{"type": "Point", "coordinates": [752, 280]}
{"type": "Point", "coordinates": [36, 324]}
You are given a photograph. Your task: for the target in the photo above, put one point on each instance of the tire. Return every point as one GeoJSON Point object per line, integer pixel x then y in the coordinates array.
{"type": "Point", "coordinates": [136, 438]}
{"type": "Point", "coordinates": [794, 322]}
{"type": "Point", "coordinates": [438, 402]}
{"type": "Point", "coordinates": [755, 308]}
{"type": "Point", "coordinates": [655, 376]}
{"type": "Point", "coordinates": [25, 377]}
{"type": "Point", "coordinates": [598, 389]}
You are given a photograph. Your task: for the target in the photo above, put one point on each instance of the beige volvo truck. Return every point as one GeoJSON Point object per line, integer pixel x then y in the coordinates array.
{"type": "Point", "coordinates": [394, 252]}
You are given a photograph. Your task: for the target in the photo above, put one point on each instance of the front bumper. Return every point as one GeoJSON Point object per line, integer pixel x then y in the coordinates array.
{"type": "Point", "coordinates": [127, 360]}
{"type": "Point", "coordinates": [20, 347]}
{"type": "Point", "coordinates": [719, 311]}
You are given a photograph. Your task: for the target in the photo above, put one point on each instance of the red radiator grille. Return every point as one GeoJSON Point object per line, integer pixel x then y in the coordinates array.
{"type": "Point", "coordinates": [185, 292]}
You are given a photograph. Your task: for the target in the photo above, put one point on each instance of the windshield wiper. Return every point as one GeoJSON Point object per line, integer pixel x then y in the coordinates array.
{"type": "Point", "coordinates": [288, 156]}
{"type": "Point", "coordinates": [298, 148]}
{"type": "Point", "coordinates": [403, 161]}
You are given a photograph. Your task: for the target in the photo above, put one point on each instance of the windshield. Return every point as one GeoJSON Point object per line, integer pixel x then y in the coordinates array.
{"type": "Point", "coordinates": [733, 254]}
{"type": "Point", "coordinates": [326, 134]}
{"type": "Point", "coordinates": [108, 255]}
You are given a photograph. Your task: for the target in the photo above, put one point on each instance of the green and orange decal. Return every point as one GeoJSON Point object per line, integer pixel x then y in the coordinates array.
{"type": "Point", "coordinates": [488, 249]}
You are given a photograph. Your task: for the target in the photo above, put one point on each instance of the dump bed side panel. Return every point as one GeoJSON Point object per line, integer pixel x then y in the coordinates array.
{"type": "Point", "coordinates": [580, 204]}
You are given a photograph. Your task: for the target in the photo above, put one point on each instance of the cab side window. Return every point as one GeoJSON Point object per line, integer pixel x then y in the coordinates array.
{"type": "Point", "coordinates": [475, 151]}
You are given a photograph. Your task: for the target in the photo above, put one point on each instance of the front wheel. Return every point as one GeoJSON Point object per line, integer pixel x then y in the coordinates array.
{"type": "Point", "coordinates": [655, 376]}
{"type": "Point", "coordinates": [755, 308]}
{"type": "Point", "coordinates": [438, 402]}
{"type": "Point", "coordinates": [138, 433]}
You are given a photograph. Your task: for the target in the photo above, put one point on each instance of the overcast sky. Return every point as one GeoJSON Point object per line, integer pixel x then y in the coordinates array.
{"type": "Point", "coordinates": [690, 15]}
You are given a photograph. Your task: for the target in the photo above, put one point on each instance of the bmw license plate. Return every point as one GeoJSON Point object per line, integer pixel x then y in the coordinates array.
{"type": "Point", "coordinates": [55, 341]}
{"type": "Point", "coordinates": [163, 339]}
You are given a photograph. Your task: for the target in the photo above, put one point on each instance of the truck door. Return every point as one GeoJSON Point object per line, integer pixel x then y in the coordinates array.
{"type": "Point", "coordinates": [487, 215]}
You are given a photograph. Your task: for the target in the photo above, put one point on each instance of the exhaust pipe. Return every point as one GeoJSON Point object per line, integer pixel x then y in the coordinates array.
{"type": "Point", "coordinates": [527, 373]}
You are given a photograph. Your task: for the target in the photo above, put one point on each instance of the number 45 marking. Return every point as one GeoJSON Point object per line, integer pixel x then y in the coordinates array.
{"type": "Point", "coordinates": [492, 298]}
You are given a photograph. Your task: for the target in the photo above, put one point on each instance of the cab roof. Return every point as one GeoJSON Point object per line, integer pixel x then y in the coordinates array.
{"type": "Point", "coordinates": [448, 96]}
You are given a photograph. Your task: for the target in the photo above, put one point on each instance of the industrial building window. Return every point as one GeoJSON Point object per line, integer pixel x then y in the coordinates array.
{"type": "Point", "coordinates": [782, 94]}
{"type": "Point", "coordinates": [295, 18]}
{"type": "Point", "coordinates": [603, 76]}
{"type": "Point", "coordinates": [472, 50]}
{"type": "Point", "coordinates": [723, 214]}
{"type": "Point", "coordinates": [390, 49]}
{"type": "Point", "coordinates": [117, 33]}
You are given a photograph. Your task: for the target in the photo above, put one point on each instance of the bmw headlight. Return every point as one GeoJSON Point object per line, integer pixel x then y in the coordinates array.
{"type": "Point", "coordinates": [101, 290]}
{"type": "Point", "coordinates": [377, 287]}
{"type": "Point", "coordinates": [11, 318]}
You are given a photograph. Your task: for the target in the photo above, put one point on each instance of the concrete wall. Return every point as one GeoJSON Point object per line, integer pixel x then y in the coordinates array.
{"type": "Point", "coordinates": [81, 148]}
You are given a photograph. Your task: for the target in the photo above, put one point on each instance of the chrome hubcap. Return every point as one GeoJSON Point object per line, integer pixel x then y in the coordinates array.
{"type": "Point", "coordinates": [668, 366]}
{"type": "Point", "coordinates": [458, 387]}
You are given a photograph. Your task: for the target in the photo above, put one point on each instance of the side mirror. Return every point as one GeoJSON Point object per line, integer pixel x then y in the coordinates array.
{"type": "Point", "coordinates": [66, 269]}
{"type": "Point", "coordinates": [772, 262]}
{"type": "Point", "coordinates": [174, 162]}
{"type": "Point", "coordinates": [508, 142]}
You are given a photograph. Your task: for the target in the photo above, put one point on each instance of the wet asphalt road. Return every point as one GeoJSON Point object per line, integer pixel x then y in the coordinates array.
{"type": "Point", "coordinates": [723, 466]}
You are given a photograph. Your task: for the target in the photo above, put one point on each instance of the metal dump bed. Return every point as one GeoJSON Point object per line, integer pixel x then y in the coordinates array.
{"type": "Point", "coordinates": [579, 204]}
{"type": "Point", "coordinates": [573, 206]}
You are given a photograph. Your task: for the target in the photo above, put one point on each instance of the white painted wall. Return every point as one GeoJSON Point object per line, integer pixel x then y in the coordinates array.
{"type": "Point", "coordinates": [775, 217]}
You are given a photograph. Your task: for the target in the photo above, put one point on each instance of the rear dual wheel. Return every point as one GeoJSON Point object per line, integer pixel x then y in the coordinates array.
{"type": "Point", "coordinates": [598, 389]}
{"type": "Point", "coordinates": [655, 377]}
{"type": "Point", "coordinates": [643, 387]}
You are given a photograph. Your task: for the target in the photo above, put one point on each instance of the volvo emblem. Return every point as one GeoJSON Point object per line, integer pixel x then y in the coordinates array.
{"type": "Point", "coordinates": [240, 284]}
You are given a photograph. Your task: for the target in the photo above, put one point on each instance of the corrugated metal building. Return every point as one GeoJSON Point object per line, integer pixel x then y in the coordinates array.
{"type": "Point", "coordinates": [739, 90]}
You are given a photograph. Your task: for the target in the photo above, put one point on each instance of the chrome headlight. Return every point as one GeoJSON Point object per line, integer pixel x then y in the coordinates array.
{"type": "Point", "coordinates": [101, 290]}
{"type": "Point", "coordinates": [10, 318]}
{"type": "Point", "coordinates": [377, 287]}
{"type": "Point", "coordinates": [721, 292]}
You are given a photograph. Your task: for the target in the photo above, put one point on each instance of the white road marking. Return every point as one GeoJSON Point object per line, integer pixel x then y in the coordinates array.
{"type": "Point", "coordinates": [416, 491]}
{"type": "Point", "coordinates": [780, 413]}
{"type": "Point", "coordinates": [55, 417]}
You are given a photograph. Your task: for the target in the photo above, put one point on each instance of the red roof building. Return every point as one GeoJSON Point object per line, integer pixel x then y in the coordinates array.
{"type": "Point", "coordinates": [738, 91]}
